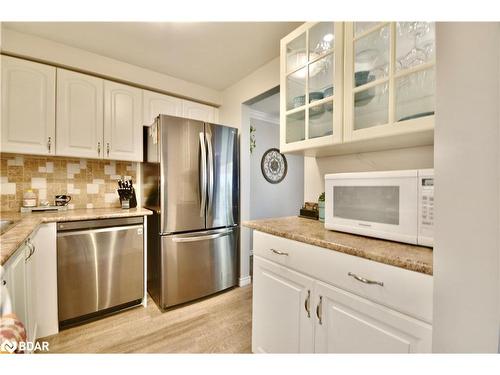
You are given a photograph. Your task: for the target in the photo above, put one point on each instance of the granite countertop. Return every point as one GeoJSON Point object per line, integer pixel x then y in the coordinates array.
{"type": "Point", "coordinates": [411, 257]}
{"type": "Point", "coordinates": [26, 223]}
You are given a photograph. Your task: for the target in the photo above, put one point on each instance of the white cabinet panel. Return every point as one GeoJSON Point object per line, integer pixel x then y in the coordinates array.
{"type": "Point", "coordinates": [28, 107]}
{"type": "Point", "coordinates": [32, 286]}
{"type": "Point", "coordinates": [281, 298]}
{"type": "Point", "coordinates": [16, 283]}
{"type": "Point", "coordinates": [45, 289]}
{"type": "Point", "coordinates": [79, 115]}
{"type": "Point", "coordinates": [347, 323]}
{"type": "Point", "coordinates": [122, 122]}
{"type": "Point", "coordinates": [154, 104]}
{"type": "Point", "coordinates": [201, 112]}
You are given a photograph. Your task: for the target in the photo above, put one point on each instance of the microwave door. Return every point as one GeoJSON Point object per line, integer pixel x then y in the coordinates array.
{"type": "Point", "coordinates": [377, 207]}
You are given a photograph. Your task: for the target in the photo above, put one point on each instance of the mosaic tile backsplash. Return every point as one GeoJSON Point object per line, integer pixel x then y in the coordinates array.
{"type": "Point", "coordinates": [90, 183]}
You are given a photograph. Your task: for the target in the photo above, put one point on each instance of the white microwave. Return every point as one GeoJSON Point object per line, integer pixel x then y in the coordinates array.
{"type": "Point", "coordinates": [393, 205]}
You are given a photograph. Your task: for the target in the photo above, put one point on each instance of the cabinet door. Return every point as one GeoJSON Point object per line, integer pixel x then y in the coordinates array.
{"type": "Point", "coordinates": [31, 291]}
{"type": "Point", "coordinates": [389, 78]}
{"type": "Point", "coordinates": [16, 284]}
{"type": "Point", "coordinates": [198, 111]}
{"type": "Point", "coordinates": [311, 77]}
{"type": "Point", "coordinates": [28, 107]}
{"type": "Point", "coordinates": [154, 104]}
{"type": "Point", "coordinates": [346, 323]}
{"type": "Point", "coordinates": [122, 122]}
{"type": "Point", "coordinates": [79, 115]}
{"type": "Point", "coordinates": [45, 278]}
{"type": "Point", "coordinates": [282, 320]}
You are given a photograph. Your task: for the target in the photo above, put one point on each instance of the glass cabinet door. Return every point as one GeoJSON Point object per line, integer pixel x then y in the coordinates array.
{"type": "Point", "coordinates": [389, 77]}
{"type": "Point", "coordinates": [308, 84]}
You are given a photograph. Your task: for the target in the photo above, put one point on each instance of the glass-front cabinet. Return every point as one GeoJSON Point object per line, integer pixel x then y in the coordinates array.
{"type": "Point", "coordinates": [343, 84]}
{"type": "Point", "coordinates": [311, 86]}
{"type": "Point", "coordinates": [389, 78]}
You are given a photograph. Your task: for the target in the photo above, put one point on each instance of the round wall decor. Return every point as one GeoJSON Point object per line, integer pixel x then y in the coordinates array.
{"type": "Point", "coordinates": [273, 166]}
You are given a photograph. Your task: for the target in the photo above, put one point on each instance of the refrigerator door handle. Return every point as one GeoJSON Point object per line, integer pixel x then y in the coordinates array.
{"type": "Point", "coordinates": [191, 238]}
{"type": "Point", "coordinates": [211, 171]}
{"type": "Point", "coordinates": [203, 178]}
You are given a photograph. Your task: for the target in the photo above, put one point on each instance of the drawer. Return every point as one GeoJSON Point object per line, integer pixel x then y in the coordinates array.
{"type": "Point", "coordinates": [406, 291]}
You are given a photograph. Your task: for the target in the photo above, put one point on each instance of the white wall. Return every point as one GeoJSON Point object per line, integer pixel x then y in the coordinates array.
{"type": "Point", "coordinates": [315, 169]}
{"type": "Point", "coordinates": [273, 200]}
{"type": "Point", "coordinates": [234, 113]}
{"type": "Point", "coordinates": [466, 252]}
{"type": "Point", "coordinates": [45, 50]}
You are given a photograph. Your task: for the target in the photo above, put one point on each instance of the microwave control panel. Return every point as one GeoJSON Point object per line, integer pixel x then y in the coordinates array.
{"type": "Point", "coordinates": [426, 208]}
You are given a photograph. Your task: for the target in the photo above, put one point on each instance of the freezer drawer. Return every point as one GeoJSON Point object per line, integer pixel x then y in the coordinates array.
{"type": "Point", "coordinates": [198, 264]}
{"type": "Point", "coordinates": [98, 268]}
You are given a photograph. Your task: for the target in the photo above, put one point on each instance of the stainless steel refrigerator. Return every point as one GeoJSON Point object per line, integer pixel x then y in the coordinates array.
{"type": "Point", "coordinates": [190, 181]}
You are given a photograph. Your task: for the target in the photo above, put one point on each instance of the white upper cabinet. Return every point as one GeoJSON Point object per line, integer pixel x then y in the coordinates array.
{"type": "Point", "coordinates": [79, 115]}
{"type": "Point", "coordinates": [154, 104]}
{"type": "Point", "coordinates": [28, 107]}
{"type": "Point", "coordinates": [122, 122]}
{"type": "Point", "coordinates": [356, 87]}
{"type": "Point", "coordinates": [198, 111]}
{"type": "Point", "coordinates": [311, 86]}
{"type": "Point", "coordinates": [390, 78]}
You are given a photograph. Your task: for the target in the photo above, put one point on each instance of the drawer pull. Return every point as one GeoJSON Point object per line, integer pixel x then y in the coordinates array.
{"type": "Point", "coordinates": [279, 252]}
{"type": "Point", "coordinates": [307, 304]}
{"type": "Point", "coordinates": [365, 281]}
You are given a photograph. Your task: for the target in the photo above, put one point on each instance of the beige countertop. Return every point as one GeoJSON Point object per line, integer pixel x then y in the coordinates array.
{"type": "Point", "coordinates": [411, 257]}
{"type": "Point", "coordinates": [25, 224]}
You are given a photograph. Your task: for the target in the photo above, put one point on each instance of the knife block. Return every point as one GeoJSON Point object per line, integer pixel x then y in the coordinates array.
{"type": "Point", "coordinates": [127, 198]}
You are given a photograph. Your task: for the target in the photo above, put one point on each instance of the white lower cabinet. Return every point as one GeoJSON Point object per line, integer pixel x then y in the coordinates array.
{"type": "Point", "coordinates": [281, 301]}
{"type": "Point", "coordinates": [304, 301]}
{"type": "Point", "coordinates": [31, 280]}
{"type": "Point", "coordinates": [346, 323]}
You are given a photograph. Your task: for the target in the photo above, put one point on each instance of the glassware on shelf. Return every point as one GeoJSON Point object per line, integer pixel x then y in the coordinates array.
{"type": "Point", "coordinates": [296, 89]}
{"type": "Point", "coordinates": [371, 53]}
{"type": "Point", "coordinates": [415, 95]}
{"type": "Point", "coordinates": [415, 44]}
{"type": "Point", "coordinates": [296, 54]}
{"type": "Point", "coordinates": [375, 110]}
{"type": "Point", "coordinates": [320, 121]}
{"type": "Point", "coordinates": [295, 127]}
{"type": "Point", "coordinates": [321, 39]}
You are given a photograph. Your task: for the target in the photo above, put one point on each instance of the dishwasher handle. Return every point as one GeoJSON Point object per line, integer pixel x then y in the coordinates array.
{"type": "Point", "coordinates": [139, 228]}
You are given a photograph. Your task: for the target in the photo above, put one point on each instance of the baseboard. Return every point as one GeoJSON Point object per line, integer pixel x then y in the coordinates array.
{"type": "Point", "coordinates": [244, 281]}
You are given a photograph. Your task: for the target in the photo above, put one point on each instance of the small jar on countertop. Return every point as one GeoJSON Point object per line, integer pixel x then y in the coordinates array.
{"type": "Point", "coordinates": [29, 199]}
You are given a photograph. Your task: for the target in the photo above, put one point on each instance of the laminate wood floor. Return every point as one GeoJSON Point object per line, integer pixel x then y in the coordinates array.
{"type": "Point", "coordinates": [220, 324]}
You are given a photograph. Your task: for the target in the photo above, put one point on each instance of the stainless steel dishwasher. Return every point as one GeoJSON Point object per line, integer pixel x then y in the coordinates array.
{"type": "Point", "coordinates": [100, 267]}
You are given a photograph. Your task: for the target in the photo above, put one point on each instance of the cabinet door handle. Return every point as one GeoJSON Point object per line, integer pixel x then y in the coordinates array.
{"type": "Point", "coordinates": [4, 282]}
{"type": "Point", "coordinates": [365, 281]}
{"type": "Point", "coordinates": [307, 304]}
{"type": "Point", "coordinates": [32, 249]}
{"type": "Point", "coordinates": [319, 310]}
{"type": "Point", "coordinates": [279, 252]}
{"type": "Point", "coordinates": [107, 149]}
{"type": "Point", "coordinates": [49, 144]}
{"type": "Point", "coordinates": [98, 148]}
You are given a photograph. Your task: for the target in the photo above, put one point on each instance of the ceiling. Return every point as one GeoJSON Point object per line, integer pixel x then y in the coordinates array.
{"type": "Point", "coordinates": [212, 54]}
